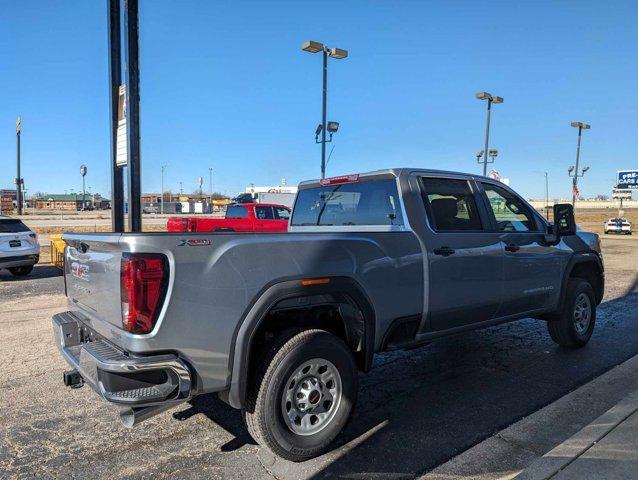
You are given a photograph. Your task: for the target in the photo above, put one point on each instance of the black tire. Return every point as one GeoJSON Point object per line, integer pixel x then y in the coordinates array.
{"type": "Point", "coordinates": [565, 329]}
{"type": "Point", "coordinates": [21, 271]}
{"type": "Point", "coordinates": [266, 398]}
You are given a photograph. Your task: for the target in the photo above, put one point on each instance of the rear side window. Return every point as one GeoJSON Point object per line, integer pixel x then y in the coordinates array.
{"type": "Point", "coordinates": [450, 205]}
{"type": "Point", "coordinates": [236, 211]}
{"type": "Point", "coordinates": [373, 202]}
{"type": "Point", "coordinates": [264, 213]}
{"type": "Point", "coordinates": [12, 226]}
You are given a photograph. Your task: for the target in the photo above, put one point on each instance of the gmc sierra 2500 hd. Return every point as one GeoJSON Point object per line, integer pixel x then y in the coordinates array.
{"type": "Point", "coordinates": [280, 324]}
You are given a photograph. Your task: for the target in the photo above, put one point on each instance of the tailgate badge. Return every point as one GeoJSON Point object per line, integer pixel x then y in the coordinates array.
{"type": "Point", "coordinates": [79, 270]}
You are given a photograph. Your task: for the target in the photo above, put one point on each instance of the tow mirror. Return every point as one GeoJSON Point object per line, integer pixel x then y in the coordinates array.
{"type": "Point", "coordinates": [564, 224]}
{"type": "Point", "coordinates": [564, 221]}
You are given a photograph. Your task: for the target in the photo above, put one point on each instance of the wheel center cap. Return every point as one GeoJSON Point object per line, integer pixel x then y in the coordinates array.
{"type": "Point", "coordinates": [314, 396]}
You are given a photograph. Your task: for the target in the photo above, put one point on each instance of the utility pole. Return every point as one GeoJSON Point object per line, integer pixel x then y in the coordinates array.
{"type": "Point", "coordinates": [162, 193]}
{"type": "Point", "coordinates": [18, 177]}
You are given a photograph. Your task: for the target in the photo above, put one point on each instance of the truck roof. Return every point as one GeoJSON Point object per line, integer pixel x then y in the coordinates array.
{"type": "Point", "coordinates": [397, 172]}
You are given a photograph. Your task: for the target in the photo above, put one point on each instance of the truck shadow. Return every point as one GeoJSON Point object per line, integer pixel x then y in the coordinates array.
{"type": "Point", "coordinates": [223, 415]}
{"type": "Point", "coordinates": [419, 408]}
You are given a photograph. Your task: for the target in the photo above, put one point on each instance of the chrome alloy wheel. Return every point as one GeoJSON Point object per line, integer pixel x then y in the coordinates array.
{"type": "Point", "coordinates": [311, 397]}
{"type": "Point", "coordinates": [582, 313]}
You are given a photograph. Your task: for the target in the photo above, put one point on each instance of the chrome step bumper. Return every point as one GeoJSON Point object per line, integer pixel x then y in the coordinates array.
{"type": "Point", "coordinates": [117, 376]}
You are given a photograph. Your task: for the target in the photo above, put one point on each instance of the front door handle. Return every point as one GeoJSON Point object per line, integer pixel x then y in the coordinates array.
{"type": "Point", "coordinates": [445, 251]}
{"type": "Point", "coordinates": [510, 247]}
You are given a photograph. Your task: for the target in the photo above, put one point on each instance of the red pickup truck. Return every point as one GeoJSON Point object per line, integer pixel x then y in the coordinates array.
{"type": "Point", "coordinates": [243, 217]}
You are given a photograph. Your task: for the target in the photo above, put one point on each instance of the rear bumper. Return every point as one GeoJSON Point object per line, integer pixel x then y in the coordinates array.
{"type": "Point", "coordinates": [117, 376]}
{"type": "Point", "coordinates": [19, 261]}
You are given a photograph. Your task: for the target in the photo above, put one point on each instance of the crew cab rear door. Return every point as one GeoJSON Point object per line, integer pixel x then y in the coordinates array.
{"type": "Point", "coordinates": [464, 257]}
{"type": "Point", "coordinates": [532, 268]}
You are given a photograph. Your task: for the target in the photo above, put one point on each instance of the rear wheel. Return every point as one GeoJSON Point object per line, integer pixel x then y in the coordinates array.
{"type": "Point", "coordinates": [303, 394]}
{"type": "Point", "coordinates": [21, 271]}
{"type": "Point", "coordinates": [574, 325]}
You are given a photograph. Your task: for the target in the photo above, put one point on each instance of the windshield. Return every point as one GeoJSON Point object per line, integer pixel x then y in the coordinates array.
{"type": "Point", "coordinates": [374, 202]}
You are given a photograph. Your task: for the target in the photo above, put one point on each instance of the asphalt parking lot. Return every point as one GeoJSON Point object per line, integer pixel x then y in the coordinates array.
{"type": "Point", "coordinates": [416, 409]}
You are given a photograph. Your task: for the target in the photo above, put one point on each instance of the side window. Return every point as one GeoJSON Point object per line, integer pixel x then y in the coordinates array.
{"type": "Point", "coordinates": [511, 214]}
{"type": "Point", "coordinates": [450, 205]}
{"type": "Point", "coordinates": [236, 211]}
{"type": "Point", "coordinates": [281, 213]}
{"type": "Point", "coordinates": [264, 213]}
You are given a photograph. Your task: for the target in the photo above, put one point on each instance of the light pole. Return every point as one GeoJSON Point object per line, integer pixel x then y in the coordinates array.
{"type": "Point", "coordinates": [162, 192]}
{"type": "Point", "coordinates": [490, 100]}
{"type": "Point", "coordinates": [18, 178]}
{"type": "Point", "coordinates": [83, 173]}
{"type": "Point", "coordinates": [573, 170]}
{"type": "Point", "coordinates": [338, 54]}
{"type": "Point", "coordinates": [210, 184]}
{"type": "Point", "coordinates": [546, 194]}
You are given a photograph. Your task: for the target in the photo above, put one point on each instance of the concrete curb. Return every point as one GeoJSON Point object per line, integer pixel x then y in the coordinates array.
{"type": "Point", "coordinates": [512, 450]}
{"type": "Point", "coordinates": [565, 453]}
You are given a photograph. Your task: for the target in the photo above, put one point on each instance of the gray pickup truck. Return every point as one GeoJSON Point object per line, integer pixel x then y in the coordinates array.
{"type": "Point", "coordinates": [280, 324]}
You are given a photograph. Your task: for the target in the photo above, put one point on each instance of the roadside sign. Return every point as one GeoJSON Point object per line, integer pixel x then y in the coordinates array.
{"type": "Point", "coordinates": [627, 179]}
{"type": "Point", "coordinates": [121, 152]}
{"type": "Point", "coordinates": [18, 125]}
{"type": "Point", "coordinates": [623, 193]}
{"type": "Point", "coordinates": [83, 170]}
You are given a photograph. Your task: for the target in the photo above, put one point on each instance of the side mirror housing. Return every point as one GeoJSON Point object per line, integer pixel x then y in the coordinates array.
{"type": "Point", "coordinates": [564, 220]}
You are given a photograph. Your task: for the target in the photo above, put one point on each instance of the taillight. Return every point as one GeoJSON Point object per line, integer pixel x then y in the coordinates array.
{"type": "Point", "coordinates": [192, 225]}
{"type": "Point", "coordinates": [184, 224]}
{"type": "Point", "coordinates": [143, 281]}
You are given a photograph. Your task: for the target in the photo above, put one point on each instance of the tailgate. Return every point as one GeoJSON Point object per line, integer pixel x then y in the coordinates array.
{"type": "Point", "coordinates": [92, 275]}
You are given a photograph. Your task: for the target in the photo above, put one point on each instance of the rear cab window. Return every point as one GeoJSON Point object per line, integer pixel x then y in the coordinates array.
{"type": "Point", "coordinates": [12, 225]}
{"type": "Point", "coordinates": [365, 203]}
{"type": "Point", "coordinates": [236, 211]}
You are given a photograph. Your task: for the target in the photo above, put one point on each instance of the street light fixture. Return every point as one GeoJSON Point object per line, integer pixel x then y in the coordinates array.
{"type": "Point", "coordinates": [580, 126]}
{"type": "Point", "coordinates": [490, 100]}
{"type": "Point", "coordinates": [311, 46]}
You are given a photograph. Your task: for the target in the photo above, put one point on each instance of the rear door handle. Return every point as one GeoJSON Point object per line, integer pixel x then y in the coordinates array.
{"type": "Point", "coordinates": [445, 251]}
{"type": "Point", "coordinates": [510, 247]}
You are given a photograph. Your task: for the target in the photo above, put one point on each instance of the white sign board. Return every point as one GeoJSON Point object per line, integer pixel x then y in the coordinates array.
{"type": "Point", "coordinates": [619, 193]}
{"type": "Point", "coordinates": [627, 179]}
{"type": "Point", "coordinates": [121, 152]}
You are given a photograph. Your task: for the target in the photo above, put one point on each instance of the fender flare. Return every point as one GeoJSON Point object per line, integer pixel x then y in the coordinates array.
{"type": "Point", "coordinates": [283, 289]}
{"type": "Point", "coordinates": [576, 259]}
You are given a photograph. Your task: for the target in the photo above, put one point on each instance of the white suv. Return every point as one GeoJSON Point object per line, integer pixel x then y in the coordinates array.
{"type": "Point", "coordinates": [19, 247]}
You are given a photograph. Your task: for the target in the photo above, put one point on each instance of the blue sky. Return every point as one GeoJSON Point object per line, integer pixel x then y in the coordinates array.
{"type": "Point", "coordinates": [225, 85]}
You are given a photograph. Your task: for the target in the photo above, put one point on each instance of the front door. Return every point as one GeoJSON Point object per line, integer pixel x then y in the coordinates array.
{"type": "Point", "coordinates": [532, 269]}
{"type": "Point", "coordinates": [465, 258]}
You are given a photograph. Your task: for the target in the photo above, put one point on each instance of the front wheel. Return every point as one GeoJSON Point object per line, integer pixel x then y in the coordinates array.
{"type": "Point", "coordinates": [21, 271]}
{"type": "Point", "coordinates": [574, 325]}
{"type": "Point", "coordinates": [303, 394]}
